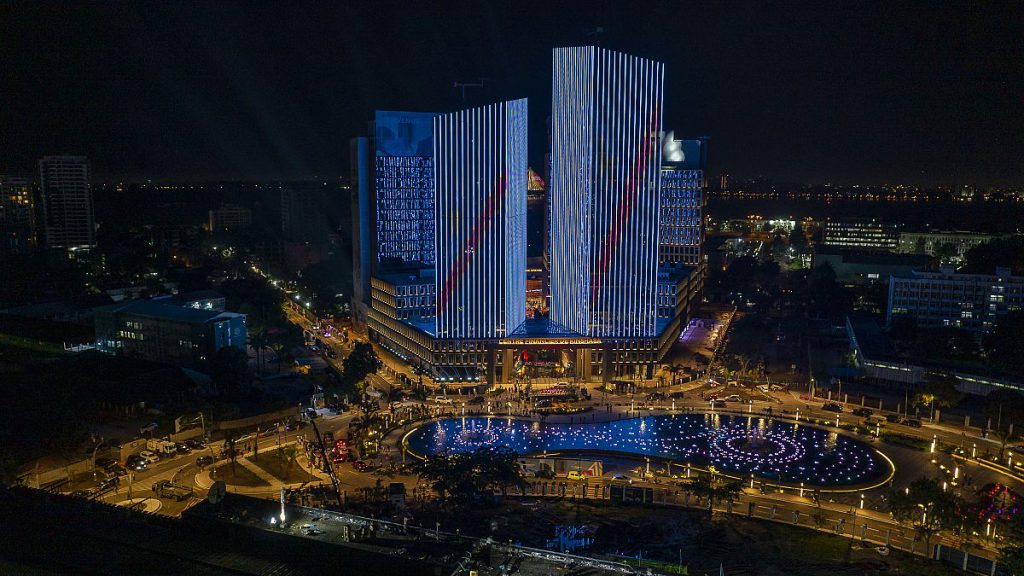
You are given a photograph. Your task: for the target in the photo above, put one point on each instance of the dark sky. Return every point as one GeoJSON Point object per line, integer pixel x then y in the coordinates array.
{"type": "Point", "coordinates": [917, 92]}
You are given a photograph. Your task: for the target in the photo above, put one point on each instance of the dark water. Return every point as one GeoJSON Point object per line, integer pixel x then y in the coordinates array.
{"type": "Point", "coordinates": [1000, 217]}
{"type": "Point", "coordinates": [744, 445]}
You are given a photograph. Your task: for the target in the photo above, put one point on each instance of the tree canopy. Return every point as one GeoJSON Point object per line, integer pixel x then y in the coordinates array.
{"type": "Point", "coordinates": [461, 478]}
{"type": "Point", "coordinates": [362, 362]}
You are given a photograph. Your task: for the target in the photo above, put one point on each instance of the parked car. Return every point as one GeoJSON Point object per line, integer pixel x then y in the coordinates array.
{"type": "Point", "coordinates": [574, 475]}
{"type": "Point", "coordinates": [655, 396]}
{"type": "Point", "coordinates": [183, 448]}
{"type": "Point", "coordinates": [832, 407]}
{"type": "Point", "coordinates": [104, 462]}
{"type": "Point", "coordinates": [108, 485]}
{"type": "Point", "coordinates": [863, 412]}
{"type": "Point", "coordinates": [912, 423]}
{"type": "Point", "coordinates": [297, 425]}
{"type": "Point", "coordinates": [116, 469]}
{"type": "Point", "coordinates": [732, 398]}
{"type": "Point", "coordinates": [677, 395]}
{"type": "Point", "coordinates": [268, 430]}
{"type": "Point", "coordinates": [476, 400]}
{"type": "Point", "coordinates": [204, 461]}
{"type": "Point", "coordinates": [149, 457]}
{"type": "Point", "coordinates": [892, 418]}
{"type": "Point", "coordinates": [718, 403]}
{"type": "Point", "coordinates": [360, 466]}
{"type": "Point", "coordinates": [136, 462]}
{"type": "Point", "coordinates": [195, 443]}
{"type": "Point", "coordinates": [622, 477]}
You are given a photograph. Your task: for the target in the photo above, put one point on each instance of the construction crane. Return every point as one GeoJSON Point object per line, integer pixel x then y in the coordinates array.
{"type": "Point", "coordinates": [463, 85]}
{"type": "Point", "coordinates": [327, 462]}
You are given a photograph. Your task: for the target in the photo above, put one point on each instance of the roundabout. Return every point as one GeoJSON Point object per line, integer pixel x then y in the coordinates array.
{"type": "Point", "coordinates": [787, 453]}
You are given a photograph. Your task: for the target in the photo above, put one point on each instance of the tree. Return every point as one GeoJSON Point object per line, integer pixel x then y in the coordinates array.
{"type": "Point", "coordinates": [797, 238]}
{"type": "Point", "coordinates": [1000, 252]}
{"type": "Point", "coordinates": [1003, 407]}
{"type": "Point", "coordinates": [928, 508]}
{"type": "Point", "coordinates": [229, 369]}
{"type": "Point", "coordinates": [258, 340]}
{"type": "Point", "coordinates": [715, 488]}
{"type": "Point", "coordinates": [461, 478]}
{"type": "Point", "coordinates": [230, 439]}
{"type": "Point", "coordinates": [290, 455]}
{"type": "Point", "coordinates": [1005, 346]}
{"type": "Point", "coordinates": [362, 362]}
{"type": "Point", "coordinates": [938, 388]}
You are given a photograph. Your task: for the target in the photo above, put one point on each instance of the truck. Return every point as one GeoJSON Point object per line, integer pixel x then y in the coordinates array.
{"type": "Point", "coordinates": [162, 447]}
{"type": "Point", "coordinates": [168, 489]}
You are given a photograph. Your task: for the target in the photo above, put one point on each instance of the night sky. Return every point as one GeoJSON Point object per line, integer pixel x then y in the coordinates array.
{"type": "Point", "coordinates": [923, 93]}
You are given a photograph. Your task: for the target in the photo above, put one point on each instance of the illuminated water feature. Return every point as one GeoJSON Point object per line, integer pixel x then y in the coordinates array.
{"type": "Point", "coordinates": [779, 451]}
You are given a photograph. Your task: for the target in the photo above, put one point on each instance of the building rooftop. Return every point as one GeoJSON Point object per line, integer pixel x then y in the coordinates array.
{"type": "Point", "coordinates": [873, 256]}
{"type": "Point", "coordinates": [674, 272]}
{"type": "Point", "coordinates": [166, 311]}
{"type": "Point", "coordinates": [412, 277]}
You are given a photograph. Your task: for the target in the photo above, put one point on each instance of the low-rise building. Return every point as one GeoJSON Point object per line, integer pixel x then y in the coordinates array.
{"type": "Point", "coordinates": [945, 298]}
{"type": "Point", "coordinates": [949, 245]}
{"type": "Point", "coordinates": [879, 362]}
{"type": "Point", "coordinates": [865, 233]}
{"type": "Point", "coordinates": [172, 333]}
{"type": "Point", "coordinates": [867, 267]}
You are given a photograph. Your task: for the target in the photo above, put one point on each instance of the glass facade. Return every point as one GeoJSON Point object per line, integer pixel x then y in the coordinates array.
{"type": "Point", "coordinates": [404, 186]}
{"type": "Point", "coordinates": [480, 174]}
{"type": "Point", "coordinates": [604, 189]}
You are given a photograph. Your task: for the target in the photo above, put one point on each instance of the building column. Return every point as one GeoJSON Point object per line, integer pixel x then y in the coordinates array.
{"type": "Point", "coordinates": [507, 365]}
{"type": "Point", "coordinates": [584, 364]}
{"type": "Point", "coordinates": [606, 365]}
{"type": "Point", "coordinates": [491, 361]}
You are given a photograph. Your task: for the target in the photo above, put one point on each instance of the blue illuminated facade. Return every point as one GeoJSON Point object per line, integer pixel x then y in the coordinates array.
{"type": "Point", "coordinates": [404, 187]}
{"type": "Point", "coordinates": [605, 187]}
{"type": "Point", "coordinates": [440, 220]}
{"type": "Point", "coordinates": [681, 234]}
{"type": "Point", "coordinates": [480, 173]}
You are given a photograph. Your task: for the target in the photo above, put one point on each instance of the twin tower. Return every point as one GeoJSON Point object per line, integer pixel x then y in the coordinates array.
{"type": "Point", "coordinates": [606, 124]}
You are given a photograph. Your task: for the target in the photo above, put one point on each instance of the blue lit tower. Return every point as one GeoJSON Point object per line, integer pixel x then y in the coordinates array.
{"type": "Point", "coordinates": [605, 161]}
{"type": "Point", "coordinates": [480, 177]}
{"type": "Point", "coordinates": [682, 200]}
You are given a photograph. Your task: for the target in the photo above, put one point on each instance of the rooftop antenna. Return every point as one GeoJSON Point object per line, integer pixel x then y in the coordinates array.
{"type": "Point", "coordinates": [463, 85]}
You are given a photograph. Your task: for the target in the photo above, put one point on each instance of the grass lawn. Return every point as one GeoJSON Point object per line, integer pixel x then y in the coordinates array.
{"type": "Point", "coordinates": [239, 475]}
{"type": "Point", "coordinates": [278, 467]}
{"type": "Point", "coordinates": [19, 350]}
{"type": "Point", "coordinates": [663, 536]}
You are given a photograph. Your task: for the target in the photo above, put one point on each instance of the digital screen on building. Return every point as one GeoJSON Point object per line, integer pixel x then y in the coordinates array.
{"type": "Point", "coordinates": [683, 154]}
{"type": "Point", "coordinates": [404, 133]}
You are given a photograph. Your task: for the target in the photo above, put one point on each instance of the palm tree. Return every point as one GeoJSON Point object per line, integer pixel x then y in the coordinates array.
{"type": "Point", "coordinates": [258, 341]}
{"type": "Point", "coordinates": [290, 455]}
{"type": "Point", "coordinates": [278, 348]}
{"type": "Point", "coordinates": [715, 488]}
{"type": "Point", "coordinates": [229, 448]}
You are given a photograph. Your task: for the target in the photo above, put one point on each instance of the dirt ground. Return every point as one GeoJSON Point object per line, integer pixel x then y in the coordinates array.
{"type": "Point", "coordinates": [741, 546]}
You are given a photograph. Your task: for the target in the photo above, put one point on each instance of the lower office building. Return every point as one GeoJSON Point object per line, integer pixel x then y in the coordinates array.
{"type": "Point", "coordinates": [971, 301]}
{"type": "Point", "coordinates": [401, 319]}
{"type": "Point", "coordinates": [169, 332]}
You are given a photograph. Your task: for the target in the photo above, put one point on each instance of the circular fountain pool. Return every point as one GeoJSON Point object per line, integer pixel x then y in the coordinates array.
{"type": "Point", "coordinates": [780, 451]}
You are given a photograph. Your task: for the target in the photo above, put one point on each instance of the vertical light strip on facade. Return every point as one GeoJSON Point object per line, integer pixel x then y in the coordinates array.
{"type": "Point", "coordinates": [605, 163]}
{"type": "Point", "coordinates": [480, 174]}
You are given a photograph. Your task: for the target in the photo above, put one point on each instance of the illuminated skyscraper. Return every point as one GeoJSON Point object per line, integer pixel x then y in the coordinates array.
{"type": "Point", "coordinates": [480, 177]}
{"type": "Point", "coordinates": [67, 201]}
{"type": "Point", "coordinates": [404, 187]}
{"type": "Point", "coordinates": [17, 214]}
{"type": "Point", "coordinates": [682, 200]}
{"type": "Point", "coordinates": [604, 186]}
